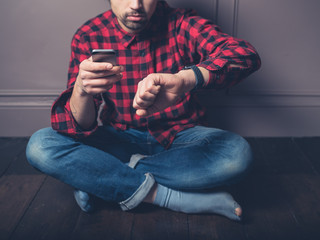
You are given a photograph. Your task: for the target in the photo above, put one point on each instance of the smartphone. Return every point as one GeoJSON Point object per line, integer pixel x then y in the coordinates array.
{"type": "Point", "coordinates": [104, 55]}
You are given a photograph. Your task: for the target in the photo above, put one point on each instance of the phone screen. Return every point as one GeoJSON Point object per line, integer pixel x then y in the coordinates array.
{"type": "Point", "coordinates": [104, 55]}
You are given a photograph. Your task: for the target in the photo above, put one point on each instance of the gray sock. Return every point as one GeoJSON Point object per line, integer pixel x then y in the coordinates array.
{"type": "Point", "coordinates": [220, 203]}
{"type": "Point", "coordinates": [84, 200]}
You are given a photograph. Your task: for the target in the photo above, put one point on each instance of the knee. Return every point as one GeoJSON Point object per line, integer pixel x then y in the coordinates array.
{"type": "Point", "coordinates": [229, 158]}
{"type": "Point", "coordinates": [239, 157]}
{"type": "Point", "coordinates": [37, 152]}
{"type": "Point", "coordinates": [243, 154]}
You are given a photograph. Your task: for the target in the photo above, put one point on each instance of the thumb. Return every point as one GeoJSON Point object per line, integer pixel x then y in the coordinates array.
{"type": "Point", "coordinates": [142, 112]}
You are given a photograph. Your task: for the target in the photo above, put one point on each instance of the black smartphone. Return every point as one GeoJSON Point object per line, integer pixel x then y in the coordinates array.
{"type": "Point", "coordinates": [104, 55]}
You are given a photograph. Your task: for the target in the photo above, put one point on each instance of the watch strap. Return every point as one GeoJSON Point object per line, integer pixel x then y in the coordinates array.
{"type": "Point", "coordinates": [198, 75]}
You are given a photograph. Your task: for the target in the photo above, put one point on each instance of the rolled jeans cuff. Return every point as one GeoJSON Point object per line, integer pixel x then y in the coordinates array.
{"type": "Point", "coordinates": [139, 195]}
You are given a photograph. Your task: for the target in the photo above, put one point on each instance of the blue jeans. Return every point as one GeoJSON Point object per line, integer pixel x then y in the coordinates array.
{"type": "Point", "coordinates": [199, 158]}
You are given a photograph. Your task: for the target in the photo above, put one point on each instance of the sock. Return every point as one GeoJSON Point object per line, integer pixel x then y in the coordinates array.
{"type": "Point", "coordinates": [220, 203]}
{"type": "Point", "coordinates": [84, 200]}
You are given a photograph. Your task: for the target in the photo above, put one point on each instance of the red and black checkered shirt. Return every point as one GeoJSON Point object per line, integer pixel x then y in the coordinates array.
{"type": "Point", "coordinates": [174, 38]}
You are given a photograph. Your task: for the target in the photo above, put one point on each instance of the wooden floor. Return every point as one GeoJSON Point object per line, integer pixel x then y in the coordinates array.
{"type": "Point", "coordinates": [280, 198]}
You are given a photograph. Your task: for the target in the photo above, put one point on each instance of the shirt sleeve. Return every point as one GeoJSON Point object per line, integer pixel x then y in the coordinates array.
{"type": "Point", "coordinates": [204, 44]}
{"type": "Point", "coordinates": [62, 119]}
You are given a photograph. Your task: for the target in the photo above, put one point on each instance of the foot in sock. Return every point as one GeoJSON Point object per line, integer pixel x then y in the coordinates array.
{"type": "Point", "coordinates": [84, 200]}
{"type": "Point", "coordinates": [220, 203]}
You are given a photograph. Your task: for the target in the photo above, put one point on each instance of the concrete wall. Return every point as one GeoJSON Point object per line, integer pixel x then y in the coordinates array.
{"type": "Point", "coordinates": [282, 99]}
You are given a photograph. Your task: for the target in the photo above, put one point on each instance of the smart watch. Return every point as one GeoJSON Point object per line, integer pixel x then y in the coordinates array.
{"type": "Point", "coordinates": [199, 77]}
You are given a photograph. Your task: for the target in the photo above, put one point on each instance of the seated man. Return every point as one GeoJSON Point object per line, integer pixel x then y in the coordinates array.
{"type": "Point", "coordinates": [151, 146]}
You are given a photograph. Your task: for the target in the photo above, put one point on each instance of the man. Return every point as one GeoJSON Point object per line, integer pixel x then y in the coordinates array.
{"type": "Point", "coordinates": [151, 146]}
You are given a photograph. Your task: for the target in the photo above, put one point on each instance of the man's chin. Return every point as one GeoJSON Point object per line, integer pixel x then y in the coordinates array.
{"type": "Point", "coordinates": [136, 26]}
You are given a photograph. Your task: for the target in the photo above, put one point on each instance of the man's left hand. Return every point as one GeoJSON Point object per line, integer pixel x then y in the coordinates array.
{"type": "Point", "coordinates": [158, 91]}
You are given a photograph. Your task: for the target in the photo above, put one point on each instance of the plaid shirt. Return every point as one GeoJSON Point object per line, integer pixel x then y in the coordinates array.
{"type": "Point", "coordinates": [174, 38]}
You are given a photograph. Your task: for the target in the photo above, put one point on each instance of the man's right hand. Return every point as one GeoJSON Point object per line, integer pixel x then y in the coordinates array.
{"type": "Point", "coordinates": [93, 78]}
{"type": "Point", "coordinates": [96, 77]}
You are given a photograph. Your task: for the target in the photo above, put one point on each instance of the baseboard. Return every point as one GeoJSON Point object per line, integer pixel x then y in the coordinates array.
{"type": "Point", "coordinates": [27, 98]}
{"type": "Point", "coordinates": [254, 114]}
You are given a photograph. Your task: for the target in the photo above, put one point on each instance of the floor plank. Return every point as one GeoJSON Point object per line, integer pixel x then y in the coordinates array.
{"type": "Point", "coordinates": [303, 196]}
{"type": "Point", "coordinates": [154, 223]}
{"type": "Point", "coordinates": [107, 222]}
{"type": "Point", "coordinates": [10, 148]}
{"type": "Point", "coordinates": [311, 148]}
{"type": "Point", "coordinates": [266, 211]}
{"type": "Point", "coordinates": [279, 197]}
{"type": "Point", "coordinates": [272, 204]}
{"type": "Point", "coordinates": [52, 215]}
{"type": "Point", "coordinates": [282, 157]}
{"type": "Point", "coordinates": [18, 186]}
{"type": "Point", "coordinates": [208, 227]}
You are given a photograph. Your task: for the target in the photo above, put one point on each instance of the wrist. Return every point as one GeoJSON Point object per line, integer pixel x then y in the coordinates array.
{"type": "Point", "coordinates": [78, 89]}
{"type": "Point", "coordinates": [188, 79]}
{"type": "Point", "coordinates": [198, 76]}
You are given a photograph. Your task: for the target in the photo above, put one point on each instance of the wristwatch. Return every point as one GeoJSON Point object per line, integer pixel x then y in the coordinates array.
{"type": "Point", "coordinates": [199, 77]}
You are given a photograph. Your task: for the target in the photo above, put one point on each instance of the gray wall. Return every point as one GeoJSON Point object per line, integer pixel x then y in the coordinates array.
{"type": "Point", "coordinates": [282, 99]}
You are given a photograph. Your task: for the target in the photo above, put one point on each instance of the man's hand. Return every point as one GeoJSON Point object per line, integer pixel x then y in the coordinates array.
{"type": "Point", "coordinates": [93, 78]}
{"type": "Point", "coordinates": [160, 90]}
{"type": "Point", "coordinates": [96, 77]}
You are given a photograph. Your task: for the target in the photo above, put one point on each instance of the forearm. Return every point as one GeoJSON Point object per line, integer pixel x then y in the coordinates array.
{"type": "Point", "coordinates": [82, 107]}
{"type": "Point", "coordinates": [228, 59]}
{"type": "Point", "coordinates": [189, 77]}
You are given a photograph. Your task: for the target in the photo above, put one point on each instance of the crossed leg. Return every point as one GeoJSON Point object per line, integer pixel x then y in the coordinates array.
{"type": "Point", "coordinates": [199, 159]}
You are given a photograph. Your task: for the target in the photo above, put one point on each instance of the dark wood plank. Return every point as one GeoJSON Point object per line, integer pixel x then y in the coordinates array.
{"type": "Point", "coordinates": [303, 196]}
{"type": "Point", "coordinates": [107, 222]}
{"type": "Point", "coordinates": [10, 148]}
{"type": "Point", "coordinates": [208, 227]}
{"type": "Point", "coordinates": [52, 215]}
{"type": "Point", "coordinates": [283, 157]}
{"type": "Point", "coordinates": [311, 148]}
{"type": "Point", "coordinates": [5, 142]}
{"type": "Point", "coordinates": [306, 207]}
{"type": "Point", "coordinates": [18, 186]}
{"type": "Point", "coordinates": [279, 197]}
{"type": "Point", "coordinates": [282, 207]}
{"type": "Point", "coordinates": [269, 213]}
{"type": "Point", "coordinates": [156, 223]}
{"type": "Point", "coordinates": [259, 164]}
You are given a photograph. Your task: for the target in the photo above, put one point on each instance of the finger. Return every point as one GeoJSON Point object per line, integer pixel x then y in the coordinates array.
{"type": "Point", "coordinates": [89, 65]}
{"type": "Point", "coordinates": [101, 74]}
{"type": "Point", "coordinates": [114, 70]}
{"type": "Point", "coordinates": [96, 88]}
{"type": "Point", "coordinates": [145, 95]}
{"type": "Point", "coordinates": [94, 91]}
{"type": "Point", "coordinates": [143, 100]}
{"type": "Point", "coordinates": [149, 85]}
{"type": "Point", "coordinates": [101, 81]}
{"type": "Point", "coordinates": [146, 112]}
{"type": "Point", "coordinates": [142, 112]}
{"type": "Point", "coordinates": [141, 104]}
{"type": "Point", "coordinates": [147, 91]}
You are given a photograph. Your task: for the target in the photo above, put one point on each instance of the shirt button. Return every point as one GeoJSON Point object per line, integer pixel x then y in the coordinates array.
{"type": "Point", "coordinates": [143, 53]}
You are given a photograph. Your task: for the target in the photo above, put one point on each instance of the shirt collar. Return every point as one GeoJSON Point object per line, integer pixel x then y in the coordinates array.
{"type": "Point", "coordinates": [153, 28]}
{"type": "Point", "coordinates": [125, 38]}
